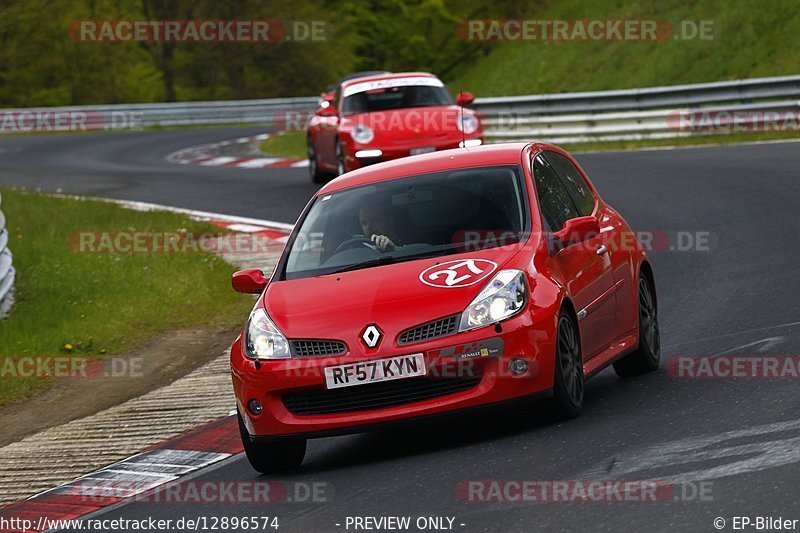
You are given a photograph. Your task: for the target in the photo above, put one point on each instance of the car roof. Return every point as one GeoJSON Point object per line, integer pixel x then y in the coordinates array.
{"type": "Point", "coordinates": [353, 76]}
{"type": "Point", "coordinates": [387, 76]}
{"type": "Point", "coordinates": [480, 156]}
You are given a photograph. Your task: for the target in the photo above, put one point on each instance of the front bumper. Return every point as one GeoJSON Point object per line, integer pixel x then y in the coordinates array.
{"type": "Point", "coordinates": [390, 151]}
{"type": "Point", "coordinates": [492, 382]}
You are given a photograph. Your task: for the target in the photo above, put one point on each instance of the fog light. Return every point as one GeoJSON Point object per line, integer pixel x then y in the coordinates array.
{"type": "Point", "coordinates": [518, 367]}
{"type": "Point", "coordinates": [369, 153]}
{"type": "Point", "coordinates": [470, 143]}
{"type": "Point", "coordinates": [255, 407]}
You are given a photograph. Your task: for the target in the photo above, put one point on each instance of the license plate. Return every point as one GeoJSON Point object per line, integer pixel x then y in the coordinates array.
{"type": "Point", "coordinates": [404, 366]}
{"type": "Point", "coordinates": [424, 150]}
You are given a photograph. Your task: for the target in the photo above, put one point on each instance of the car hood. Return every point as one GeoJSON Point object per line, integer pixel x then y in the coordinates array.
{"type": "Point", "coordinates": [394, 297]}
{"type": "Point", "coordinates": [409, 123]}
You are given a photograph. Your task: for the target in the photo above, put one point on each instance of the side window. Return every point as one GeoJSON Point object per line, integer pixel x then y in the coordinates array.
{"type": "Point", "coordinates": [554, 201]}
{"type": "Point", "coordinates": [574, 182]}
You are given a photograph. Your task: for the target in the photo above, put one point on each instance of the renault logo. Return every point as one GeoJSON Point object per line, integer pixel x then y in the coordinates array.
{"type": "Point", "coordinates": [371, 336]}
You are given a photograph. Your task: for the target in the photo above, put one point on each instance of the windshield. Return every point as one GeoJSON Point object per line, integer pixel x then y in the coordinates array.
{"type": "Point", "coordinates": [396, 98]}
{"type": "Point", "coordinates": [409, 218]}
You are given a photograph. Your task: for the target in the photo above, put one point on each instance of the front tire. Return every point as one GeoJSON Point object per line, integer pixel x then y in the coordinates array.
{"type": "Point", "coordinates": [340, 166]}
{"type": "Point", "coordinates": [269, 457]}
{"type": "Point", "coordinates": [568, 383]}
{"type": "Point", "coordinates": [648, 355]}
{"type": "Point", "coordinates": [313, 164]}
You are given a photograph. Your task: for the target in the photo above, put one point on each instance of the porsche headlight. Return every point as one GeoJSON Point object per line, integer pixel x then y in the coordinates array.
{"type": "Point", "coordinates": [468, 123]}
{"type": "Point", "coordinates": [362, 134]}
{"type": "Point", "coordinates": [264, 340]}
{"type": "Point", "coordinates": [501, 298]}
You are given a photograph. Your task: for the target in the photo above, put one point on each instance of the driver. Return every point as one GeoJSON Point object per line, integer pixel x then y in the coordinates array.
{"type": "Point", "coordinates": [376, 223]}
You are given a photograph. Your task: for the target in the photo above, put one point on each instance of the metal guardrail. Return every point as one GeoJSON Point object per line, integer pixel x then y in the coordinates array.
{"type": "Point", "coordinates": [648, 113]}
{"type": "Point", "coordinates": [564, 117]}
{"type": "Point", "coordinates": [7, 272]}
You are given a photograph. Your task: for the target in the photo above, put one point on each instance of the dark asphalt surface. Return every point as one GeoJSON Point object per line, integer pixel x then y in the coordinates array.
{"type": "Point", "coordinates": [132, 166]}
{"type": "Point", "coordinates": [739, 297]}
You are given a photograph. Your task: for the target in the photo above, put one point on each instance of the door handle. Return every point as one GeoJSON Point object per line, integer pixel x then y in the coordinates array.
{"type": "Point", "coordinates": [602, 250]}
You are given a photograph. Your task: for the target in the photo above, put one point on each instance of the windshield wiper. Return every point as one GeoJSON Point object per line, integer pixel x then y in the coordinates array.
{"type": "Point", "coordinates": [384, 260]}
{"type": "Point", "coordinates": [389, 259]}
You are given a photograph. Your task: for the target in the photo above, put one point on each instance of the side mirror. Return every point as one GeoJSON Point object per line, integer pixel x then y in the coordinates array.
{"type": "Point", "coordinates": [577, 230]}
{"type": "Point", "coordinates": [250, 281]}
{"type": "Point", "coordinates": [326, 110]}
{"type": "Point", "coordinates": [465, 98]}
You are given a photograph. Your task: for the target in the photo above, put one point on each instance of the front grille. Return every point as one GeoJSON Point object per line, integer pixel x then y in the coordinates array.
{"type": "Point", "coordinates": [429, 330]}
{"type": "Point", "coordinates": [375, 395]}
{"type": "Point", "coordinates": [317, 348]}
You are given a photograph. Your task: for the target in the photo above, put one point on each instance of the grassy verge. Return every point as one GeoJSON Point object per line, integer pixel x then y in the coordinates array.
{"type": "Point", "coordinates": [102, 303]}
{"type": "Point", "coordinates": [749, 40]}
{"type": "Point", "coordinates": [286, 144]}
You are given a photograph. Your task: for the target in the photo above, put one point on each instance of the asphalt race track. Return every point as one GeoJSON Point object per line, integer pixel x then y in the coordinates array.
{"type": "Point", "coordinates": [740, 439]}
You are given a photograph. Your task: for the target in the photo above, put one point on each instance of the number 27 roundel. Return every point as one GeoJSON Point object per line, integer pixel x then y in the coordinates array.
{"type": "Point", "coordinates": [458, 273]}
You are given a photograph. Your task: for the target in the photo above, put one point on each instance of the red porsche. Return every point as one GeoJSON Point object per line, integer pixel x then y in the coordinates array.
{"type": "Point", "coordinates": [437, 283]}
{"type": "Point", "coordinates": [372, 118]}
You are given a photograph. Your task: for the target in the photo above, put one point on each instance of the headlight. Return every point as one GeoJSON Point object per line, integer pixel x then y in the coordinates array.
{"type": "Point", "coordinates": [264, 340]}
{"type": "Point", "coordinates": [362, 134]}
{"type": "Point", "coordinates": [468, 123]}
{"type": "Point", "coordinates": [501, 298]}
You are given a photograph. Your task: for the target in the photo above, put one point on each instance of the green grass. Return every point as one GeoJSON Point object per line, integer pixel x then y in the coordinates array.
{"type": "Point", "coordinates": [286, 144]}
{"type": "Point", "coordinates": [102, 303]}
{"type": "Point", "coordinates": [751, 39]}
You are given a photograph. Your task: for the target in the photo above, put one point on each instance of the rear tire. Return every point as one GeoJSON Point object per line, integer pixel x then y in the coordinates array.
{"type": "Point", "coordinates": [269, 457]}
{"type": "Point", "coordinates": [340, 166]}
{"type": "Point", "coordinates": [648, 355]}
{"type": "Point", "coordinates": [313, 165]}
{"type": "Point", "coordinates": [568, 382]}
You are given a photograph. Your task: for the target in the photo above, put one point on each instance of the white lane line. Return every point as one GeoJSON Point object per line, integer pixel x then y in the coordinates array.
{"type": "Point", "coordinates": [763, 345]}
{"type": "Point", "coordinates": [216, 161]}
{"type": "Point", "coordinates": [125, 480]}
{"type": "Point", "coordinates": [735, 334]}
{"type": "Point", "coordinates": [201, 215]}
{"type": "Point", "coordinates": [770, 446]}
{"type": "Point", "coordinates": [245, 228]}
{"type": "Point", "coordinates": [258, 162]}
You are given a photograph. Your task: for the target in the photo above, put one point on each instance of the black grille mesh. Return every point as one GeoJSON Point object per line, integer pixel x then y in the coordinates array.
{"type": "Point", "coordinates": [375, 395]}
{"type": "Point", "coordinates": [317, 348]}
{"type": "Point", "coordinates": [429, 330]}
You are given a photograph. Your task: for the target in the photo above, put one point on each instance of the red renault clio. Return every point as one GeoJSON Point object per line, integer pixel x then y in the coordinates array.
{"type": "Point", "coordinates": [438, 283]}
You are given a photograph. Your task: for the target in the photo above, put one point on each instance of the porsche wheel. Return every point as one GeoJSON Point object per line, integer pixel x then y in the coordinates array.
{"type": "Point", "coordinates": [340, 167]}
{"type": "Point", "coordinates": [268, 457]}
{"type": "Point", "coordinates": [569, 379]}
{"type": "Point", "coordinates": [648, 355]}
{"type": "Point", "coordinates": [313, 165]}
